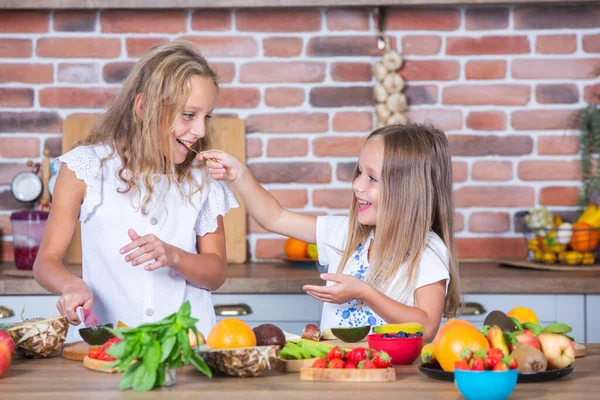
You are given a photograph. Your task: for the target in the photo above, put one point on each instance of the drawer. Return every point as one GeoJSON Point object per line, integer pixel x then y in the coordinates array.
{"type": "Point", "coordinates": [268, 307]}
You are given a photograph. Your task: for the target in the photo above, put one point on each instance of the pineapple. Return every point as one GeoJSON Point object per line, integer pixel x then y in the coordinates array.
{"type": "Point", "coordinates": [38, 338]}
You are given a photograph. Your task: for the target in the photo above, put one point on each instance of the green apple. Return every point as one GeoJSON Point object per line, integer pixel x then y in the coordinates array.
{"type": "Point", "coordinates": [312, 251]}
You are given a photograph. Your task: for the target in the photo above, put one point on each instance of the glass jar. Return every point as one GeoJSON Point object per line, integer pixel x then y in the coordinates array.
{"type": "Point", "coordinates": [28, 229]}
{"type": "Point", "coordinates": [170, 377]}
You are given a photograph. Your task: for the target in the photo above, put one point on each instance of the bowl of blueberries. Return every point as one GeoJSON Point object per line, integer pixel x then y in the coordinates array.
{"type": "Point", "coordinates": [404, 348]}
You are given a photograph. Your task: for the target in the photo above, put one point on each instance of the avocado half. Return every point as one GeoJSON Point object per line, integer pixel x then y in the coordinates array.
{"type": "Point", "coordinates": [96, 335]}
{"type": "Point", "coordinates": [351, 334]}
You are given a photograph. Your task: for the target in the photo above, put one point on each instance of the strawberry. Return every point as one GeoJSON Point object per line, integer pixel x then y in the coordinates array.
{"type": "Point", "coordinates": [511, 362]}
{"type": "Point", "coordinates": [382, 360]}
{"type": "Point", "coordinates": [461, 365]}
{"type": "Point", "coordinates": [490, 362]}
{"type": "Point", "coordinates": [494, 356]}
{"type": "Point", "coordinates": [336, 363]}
{"type": "Point", "coordinates": [356, 355]}
{"type": "Point", "coordinates": [350, 365]}
{"type": "Point", "coordinates": [335, 352]}
{"type": "Point", "coordinates": [320, 363]}
{"type": "Point", "coordinates": [371, 353]}
{"type": "Point", "coordinates": [366, 364]}
{"type": "Point", "coordinates": [478, 361]}
{"type": "Point", "coordinates": [466, 354]}
{"type": "Point", "coordinates": [500, 367]}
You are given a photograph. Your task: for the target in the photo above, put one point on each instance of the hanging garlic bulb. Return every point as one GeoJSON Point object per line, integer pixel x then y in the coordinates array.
{"type": "Point", "coordinates": [392, 60]}
{"type": "Point", "coordinates": [396, 102]}
{"type": "Point", "coordinates": [390, 101]}
{"type": "Point", "coordinates": [397, 118]}
{"type": "Point", "coordinates": [380, 93]}
{"type": "Point", "coordinates": [382, 112]}
{"type": "Point", "coordinates": [379, 71]}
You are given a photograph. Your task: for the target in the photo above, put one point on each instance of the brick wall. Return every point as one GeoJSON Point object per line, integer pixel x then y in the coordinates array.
{"type": "Point", "coordinates": [502, 82]}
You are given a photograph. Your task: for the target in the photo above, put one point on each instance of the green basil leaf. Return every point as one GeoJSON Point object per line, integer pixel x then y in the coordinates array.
{"type": "Point", "coordinates": [185, 310]}
{"type": "Point", "coordinates": [167, 346]}
{"type": "Point", "coordinates": [557, 327]}
{"type": "Point", "coordinates": [128, 376]}
{"type": "Point", "coordinates": [510, 338]}
{"type": "Point", "coordinates": [143, 379]}
{"type": "Point", "coordinates": [184, 343]}
{"type": "Point", "coordinates": [117, 350]}
{"type": "Point", "coordinates": [160, 375]}
{"type": "Point", "coordinates": [152, 357]}
{"type": "Point", "coordinates": [517, 324]}
{"type": "Point", "coordinates": [485, 329]}
{"type": "Point", "coordinates": [200, 365]}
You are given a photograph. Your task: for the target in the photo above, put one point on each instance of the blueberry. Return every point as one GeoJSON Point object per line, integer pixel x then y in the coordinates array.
{"type": "Point", "coordinates": [418, 334]}
{"type": "Point", "coordinates": [402, 334]}
{"type": "Point", "coordinates": [385, 336]}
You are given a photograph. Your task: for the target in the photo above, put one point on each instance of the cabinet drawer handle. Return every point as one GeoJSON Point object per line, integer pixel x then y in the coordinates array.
{"type": "Point", "coordinates": [472, 308]}
{"type": "Point", "coordinates": [230, 310]}
{"type": "Point", "coordinates": [6, 312]}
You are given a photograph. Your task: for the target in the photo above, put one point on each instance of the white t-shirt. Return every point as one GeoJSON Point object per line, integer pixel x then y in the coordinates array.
{"type": "Point", "coordinates": [124, 292]}
{"type": "Point", "coordinates": [332, 234]}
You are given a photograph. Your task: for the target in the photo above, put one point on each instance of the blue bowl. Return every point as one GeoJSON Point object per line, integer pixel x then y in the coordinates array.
{"type": "Point", "coordinates": [486, 385]}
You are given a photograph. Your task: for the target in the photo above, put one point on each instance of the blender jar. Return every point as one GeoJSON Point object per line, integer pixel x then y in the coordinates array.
{"type": "Point", "coordinates": [28, 229]}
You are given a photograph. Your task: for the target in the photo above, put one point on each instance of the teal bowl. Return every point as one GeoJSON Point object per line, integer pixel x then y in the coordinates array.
{"type": "Point", "coordinates": [486, 385]}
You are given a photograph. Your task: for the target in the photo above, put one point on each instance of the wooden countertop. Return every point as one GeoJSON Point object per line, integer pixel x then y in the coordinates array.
{"type": "Point", "coordinates": [280, 277]}
{"type": "Point", "coordinates": [59, 378]}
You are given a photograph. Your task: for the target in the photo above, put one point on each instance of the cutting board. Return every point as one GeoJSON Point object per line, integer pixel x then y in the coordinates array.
{"type": "Point", "coordinates": [337, 342]}
{"type": "Point", "coordinates": [76, 351]}
{"type": "Point", "coordinates": [348, 375]}
{"type": "Point", "coordinates": [231, 137]}
{"type": "Point", "coordinates": [293, 365]}
{"type": "Point", "coordinates": [579, 349]}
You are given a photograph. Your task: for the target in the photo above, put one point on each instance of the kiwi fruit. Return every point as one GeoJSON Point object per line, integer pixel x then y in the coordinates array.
{"type": "Point", "coordinates": [530, 359]}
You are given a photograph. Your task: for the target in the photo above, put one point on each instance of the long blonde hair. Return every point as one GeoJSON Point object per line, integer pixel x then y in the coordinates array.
{"type": "Point", "coordinates": [415, 198]}
{"type": "Point", "coordinates": [140, 137]}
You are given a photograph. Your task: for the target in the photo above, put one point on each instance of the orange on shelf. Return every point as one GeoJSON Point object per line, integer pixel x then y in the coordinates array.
{"type": "Point", "coordinates": [231, 333]}
{"type": "Point", "coordinates": [584, 237]}
{"type": "Point", "coordinates": [295, 248]}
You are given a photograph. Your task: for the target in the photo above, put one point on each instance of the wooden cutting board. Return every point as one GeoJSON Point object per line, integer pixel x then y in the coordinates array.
{"type": "Point", "coordinates": [338, 342]}
{"type": "Point", "coordinates": [348, 375]}
{"type": "Point", "coordinates": [579, 350]}
{"type": "Point", "coordinates": [293, 365]}
{"type": "Point", "coordinates": [76, 351]}
{"type": "Point", "coordinates": [231, 137]}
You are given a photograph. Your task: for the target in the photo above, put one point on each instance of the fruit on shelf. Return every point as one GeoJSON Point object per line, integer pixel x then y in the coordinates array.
{"type": "Point", "coordinates": [38, 338]}
{"type": "Point", "coordinates": [408, 327]}
{"type": "Point", "coordinates": [530, 359]}
{"type": "Point", "coordinates": [558, 349]}
{"type": "Point", "coordinates": [584, 237]}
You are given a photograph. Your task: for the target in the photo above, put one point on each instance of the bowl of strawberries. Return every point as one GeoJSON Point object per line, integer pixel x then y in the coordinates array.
{"type": "Point", "coordinates": [486, 375]}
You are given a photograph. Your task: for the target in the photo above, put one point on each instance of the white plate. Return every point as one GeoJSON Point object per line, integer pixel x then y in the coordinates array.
{"type": "Point", "coordinates": [26, 186]}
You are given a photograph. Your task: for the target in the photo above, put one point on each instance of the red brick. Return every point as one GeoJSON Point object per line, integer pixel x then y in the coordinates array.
{"type": "Point", "coordinates": [492, 171]}
{"type": "Point", "coordinates": [74, 21]}
{"type": "Point", "coordinates": [291, 198]}
{"type": "Point", "coordinates": [591, 94]}
{"type": "Point", "coordinates": [284, 97]}
{"type": "Point", "coordinates": [230, 46]}
{"type": "Point", "coordinates": [27, 73]}
{"type": "Point", "coordinates": [557, 94]}
{"type": "Point", "coordinates": [238, 98]}
{"type": "Point", "coordinates": [494, 196]}
{"type": "Point", "coordinates": [556, 17]}
{"type": "Point", "coordinates": [334, 146]}
{"type": "Point", "coordinates": [5, 225]}
{"type": "Point", "coordinates": [485, 69]}
{"type": "Point", "coordinates": [489, 222]}
{"type": "Point", "coordinates": [591, 43]}
{"type": "Point", "coordinates": [15, 48]}
{"type": "Point", "coordinates": [8, 172]}
{"type": "Point", "coordinates": [491, 248]}
{"type": "Point", "coordinates": [500, 95]}
{"type": "Point", "coordinates": [142, 21]}
{"type": "Point", "coordinates": [75, 97]}
{"type": "Point", "coordinates": [116, 72]}
{"type": "Point", "coordinates": [8, 253]}
{"type": "Point", "coordinates": [351, 72]}
{"type": "Point", "coordinates": [480, 19]}
{"type": "Point", "coordinates": [444, 119]}
{"type": "Point", "coordinates": [288, 172]}
{"type": "Point", "coordinates": [460, 171]}
{"type": "Point", "coordinates": [19, 147]}
{"type": "Point", "coordinates": [226, 71]}
{"type": "Point", "coordinates": [78, 73]}
{"type": "Point", "coordinates": [421, 94]}
{"type": "Point", "coordinates": [434, 19]}
{"type": "Point", "coordinates": [282, 47]}
{"type": "Point", "coordinates": [559, 196]}
{"type": "Point", "coordinates": [16, 97]}
{"type": "Point", "coordinates": [558, 145]}
{"type": "Point", "coordinates": [571, 68]}
{"type": "Point", "coordinates": [542, 119]}
{"type": "Point", "coordinates": [288, 123]}
{"type": "Point", "coordinates": [211, 20]}
{"type": "Point", "coordinates": [347, 19]}
{"type": "Point", "coordinates": [9, 202]}
{"type": "Point", "coordinates": [287, 147]}
{"type": "Point", "coordinates": [345, 46]}
{"type": "Point", "coordinates": [430, 70]}
{"type": "Point", "coordinates": [139, 45]}
{"type": "Point", "coordinates": [353, 121]}
{"type": "Point", "coordinates": [37, 122]}
{"type": "Point", "coordinates": [556, 44]}
{"type": "Point", "coordinates": [486, 120]}
{"type": "Point", "coordinates": [332, 198]}
{"type": "Point", "coordinates": [66, 47]}
{"type": "Point", "coordinates": [487, 45]}
{"type": "Point", "coordinates": [346, 96]}
{"type": "Point", "coordinates": [483, 145]}
{"type": "Point", "coordinates": [253, 147]}
{"type": "Point", "coordinates": [24, 21]}
{"type": "Point", "coordinates": [269, 248]}
{"type": "Point", "coordinates": [554, 170]}
{"type": "Point", "coordinates": [344, 171]}
{"type": "Point", "coordinates": [421, 45]}
{"type": "Point", "coordinates": [277, 72]}
{"type": "Point", "coordinates": [278, 20]}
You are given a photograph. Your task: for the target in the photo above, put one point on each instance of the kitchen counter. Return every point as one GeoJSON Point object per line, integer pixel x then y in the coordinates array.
{"type": "Point", "coordinates": [59, 378]}
{"type": "Point", "coordinates": [280, 277]}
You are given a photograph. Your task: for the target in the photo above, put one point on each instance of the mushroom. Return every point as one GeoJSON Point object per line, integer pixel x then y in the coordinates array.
{"type": "Point", "coordinates": [393, 83]}
{"type": "Point", "coordinates": [378, 71]}
{"type": "Point", "coordinates": [392, 60]}
{"type": "Point", "coordinates": [396, 102]}
{"type": "Point", "coordinates": [382, 112]}
{"type": "Point", "coordinates": [380, 93]}
{"type": "Point", "coordinates": [397, 118]}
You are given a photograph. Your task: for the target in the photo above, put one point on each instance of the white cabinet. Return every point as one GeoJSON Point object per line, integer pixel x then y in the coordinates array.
{"type": "Point", "coordinates": [592, 311]}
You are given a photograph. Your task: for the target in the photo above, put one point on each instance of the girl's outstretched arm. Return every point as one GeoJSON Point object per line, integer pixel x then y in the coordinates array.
{"type": "Point", "coordinates": [261, 204]}
{"type": "Point", "coordinates": [49, 269]}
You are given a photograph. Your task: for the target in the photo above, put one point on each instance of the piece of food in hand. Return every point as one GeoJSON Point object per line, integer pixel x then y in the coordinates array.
{"type": "Point", "coordinates": [38, 338]}
{"type": "Point", "coordinates": [5, 358]}
{"type": "Point", "coordinates": [311, 332]}
{"type": "Point", "coordinates": [269, 334]}
{"type": "Point", "coordinates": [558, 349]}
{"type": "Point", "coordinates": [530, 359]}
{"type": "Point", "coordinates": [8, 341]}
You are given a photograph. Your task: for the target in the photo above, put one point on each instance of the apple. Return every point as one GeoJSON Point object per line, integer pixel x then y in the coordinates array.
{"type": "Point", "coordinates": [5, 358]}
{"type": "Point", "coordinates": [558, 349]}
{"type": "Point", "coordinates": [528, 338]}
{"type": "Point", "coordinates": [8, 341]}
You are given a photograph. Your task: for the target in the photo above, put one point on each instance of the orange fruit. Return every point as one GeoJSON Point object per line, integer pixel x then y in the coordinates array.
{"type": "Point", "coordinates": [584, 237]}
{"type": "Point", "coordinates": [295, 248]}
{"type": "Point", "coordinates": [523, 314]}
{"type": "Point", "coordinates": [454, 336]}
{"type": "Point", "coordinates": [231, 333]}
